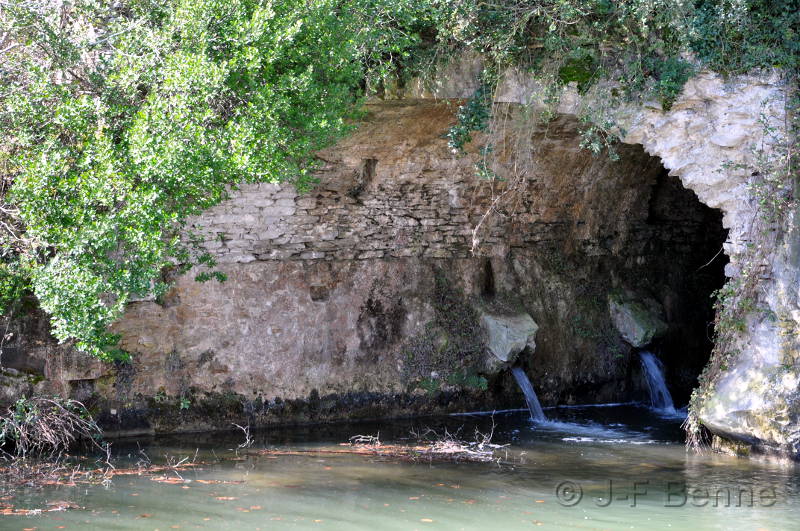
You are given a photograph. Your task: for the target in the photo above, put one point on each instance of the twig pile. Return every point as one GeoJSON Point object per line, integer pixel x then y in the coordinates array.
{"type": "Point", "coordinates": [46, 427]}
{"type": "Point", "coordinates": [428, 446]}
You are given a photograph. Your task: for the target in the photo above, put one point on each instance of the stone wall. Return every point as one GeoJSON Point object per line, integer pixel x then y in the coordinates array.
{"type": "Point", "coordinates": [329, 293]}
{"type": "Point", "coordinates": [391, 190]}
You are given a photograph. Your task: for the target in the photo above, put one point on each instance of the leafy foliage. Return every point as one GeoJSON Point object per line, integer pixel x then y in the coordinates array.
{"type": "Point", "coordinates": [121, 120]}
{"type": "Point", "coordinates": [646, 48]}
{"type": "Point", "coordinates": [739, 36]}
{"type": "Point", "coordinates": [472, 116]}
{"type": "Point", "coordinates": [579, 67]}
{"type": "Point", "coordinates": [670, 75]}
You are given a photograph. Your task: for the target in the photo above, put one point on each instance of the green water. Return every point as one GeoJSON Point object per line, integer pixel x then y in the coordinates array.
{"type": "Point", "coordinates": [655, 483]}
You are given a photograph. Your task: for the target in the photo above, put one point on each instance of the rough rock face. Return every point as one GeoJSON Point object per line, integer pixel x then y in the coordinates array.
{"type": "Point", "coordinates": [346, 302]}
{"type": "Point", "coordinates": [332, 296]}
{"type": "Point", "coordinates": [638, 321]}
{"type": "Point", "coordinates": [708, 140]}
{"type": "Point", "coordinates": [756, 401]}
{"type": "Point", "coordinates": [507, 337]}
{"type": "Point", "coordinates": [712, 139]}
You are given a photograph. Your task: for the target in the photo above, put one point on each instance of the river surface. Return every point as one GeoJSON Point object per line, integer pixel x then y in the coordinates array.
{"type": "Point", "coordinates": [588, 468]}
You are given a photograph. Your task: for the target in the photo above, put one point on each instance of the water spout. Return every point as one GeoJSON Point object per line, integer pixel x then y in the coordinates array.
{"type": "Point", "coordinates": [660, 398]}
{"type": "Point", "coordinates": [530, 395]}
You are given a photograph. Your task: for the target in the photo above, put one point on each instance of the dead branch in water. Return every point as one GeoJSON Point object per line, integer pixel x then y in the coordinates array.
{"type": "Point", "coordinates": [391, 451]}
{"type": "Point", "coordinates": [62, 505]}
{"type": "Point", "coordinates": [429, 445]}
{"type": "Point", "coordinates": [248, 440]}
{"type": "Point", "coordinates": [366, 440]}
{"type": "Point", "coordinates": [24, 472]}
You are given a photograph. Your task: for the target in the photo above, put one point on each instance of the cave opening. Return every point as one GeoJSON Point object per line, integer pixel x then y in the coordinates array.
{"type": "Point", "coordinates": [689, 236]}
{"type": "Point", "coordinates": [602, 231]}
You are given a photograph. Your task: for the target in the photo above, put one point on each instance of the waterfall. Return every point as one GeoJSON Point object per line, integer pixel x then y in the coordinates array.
{"type": "Point", "coordinates": [530, 395]}
{"type": "Point", "coordinates": [654, 372]}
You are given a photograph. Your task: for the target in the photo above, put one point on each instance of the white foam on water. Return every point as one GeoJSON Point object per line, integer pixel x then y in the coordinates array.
{"type": "Point", "coordinates": [580, 406]}
{"type": "Point", "coordinates": [606, 441]}
{"type": "Point", "coordinates": [588, 429]}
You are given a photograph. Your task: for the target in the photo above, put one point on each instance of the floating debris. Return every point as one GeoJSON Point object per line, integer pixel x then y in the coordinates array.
{"type": "Point", "coordinates": [444, 448]}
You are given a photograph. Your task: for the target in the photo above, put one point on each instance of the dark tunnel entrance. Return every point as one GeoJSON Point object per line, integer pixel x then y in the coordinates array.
{"type": "Point", "coordinates": [693, 269]}
{"type": "Point", "coordinates": [602, 231]}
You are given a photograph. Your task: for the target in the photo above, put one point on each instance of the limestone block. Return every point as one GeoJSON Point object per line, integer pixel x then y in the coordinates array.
{"type": "Point", "coordinates": [507, 336]}
{"type": "Point", "coordinates": [306, 202]}
{"type": "Point", "coordinates": [370, 254]}
{"type": "Point", "coordinates": [639, 320]}
{"type": "Point", "coordinates": [272, 232]}
{"type": "Point", "coordinates": [312, 255]}
{"type": "Point", "coordinates": [278, 211]}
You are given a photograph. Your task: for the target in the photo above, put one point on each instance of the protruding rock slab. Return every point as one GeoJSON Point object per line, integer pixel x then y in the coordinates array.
{"type": "Point", "coordinates": [639, 320]}
{"type": "Point", "coordinates": [506, 337]}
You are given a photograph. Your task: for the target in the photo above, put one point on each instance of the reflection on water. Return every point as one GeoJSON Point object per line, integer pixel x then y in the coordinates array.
{"type": "Point", "coordinates": [587, 468]}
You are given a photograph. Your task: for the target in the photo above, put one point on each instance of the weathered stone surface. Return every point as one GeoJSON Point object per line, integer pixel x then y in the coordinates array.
{"type": "Point", "coordinates": [319, 303]}
{"type": "Point", "coordinates": [328, 307]}
{"type": "Point", "coordinates": [638, 320]}
{"type": "Point", "coordinates": [711, 139]}
{"type": "Point", "coordinates": [757, 400]}
{"type": "Point", "coordinates": [507, 337]}
{"type": "Point", "coordinates": [15, 384]}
